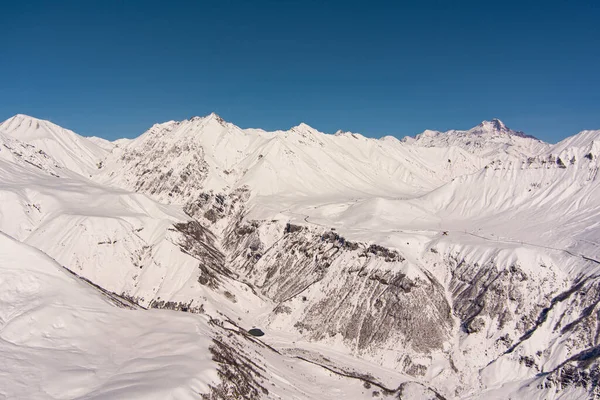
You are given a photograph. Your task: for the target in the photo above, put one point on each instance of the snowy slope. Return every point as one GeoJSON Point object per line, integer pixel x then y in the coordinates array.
{"type": "Point", "coordinates": [63, 339]}
{"type": "Point", "coordinates": [122, 241]}
{"type": "Point", "coordinates": [134, 249]}
{"type": "Point", "coordinates": [424, 268]}
{"type": "Point", "coordinates": [69, 149]}
{"type": "Point", "coordinates": [102, 143]}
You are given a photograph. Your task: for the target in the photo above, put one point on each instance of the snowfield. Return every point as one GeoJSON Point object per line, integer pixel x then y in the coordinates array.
{"type": "Point", "coordinates": [459, 264]}
{"type": "Point", "coordinates": [61, 338]}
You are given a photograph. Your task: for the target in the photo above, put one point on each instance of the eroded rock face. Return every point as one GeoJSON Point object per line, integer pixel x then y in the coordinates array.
{"type": "Point", "coordinates": [487, 293]}
{"type": "Point", "coordinates": [199, 242]}
{"type": "Point", "coordinates": [374, 312]}
{"type": "Point", "coordinates": [581, 321]}
{"type": "Point", "coordinates": [174, 170]}
{"type": "Point", "coordinates": [579, 374]}
{"type": "Point", "coordinates": [212, 207]}
{"type": "Point", "coordinates": [240, 376]}
{"type": "Point", "coordinates": [518, 310]}
{"type": "Point", "coordinates": [363, 292]}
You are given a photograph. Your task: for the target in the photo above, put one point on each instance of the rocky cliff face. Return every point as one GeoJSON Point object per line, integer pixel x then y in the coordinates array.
{"type": "Point", "coordinates": [166, 170]}
{"type": "Point", "coordinates": [326, 287]}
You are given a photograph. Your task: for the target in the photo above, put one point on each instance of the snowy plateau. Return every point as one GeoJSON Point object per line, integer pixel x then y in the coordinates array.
{"type": "Point", "coordinates": [451, 265]}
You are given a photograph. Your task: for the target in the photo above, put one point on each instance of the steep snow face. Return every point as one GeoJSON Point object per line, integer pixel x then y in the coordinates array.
{"type": "Point", "coordinates": [585, 144]}
{"type": "Point", "coordinates": [70, 150]}
{"type": "Point", "coordinates": [490, 139]}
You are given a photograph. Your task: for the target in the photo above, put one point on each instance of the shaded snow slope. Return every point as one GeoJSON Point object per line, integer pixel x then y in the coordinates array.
{"type": "Point", "coordinates": [122, 241]}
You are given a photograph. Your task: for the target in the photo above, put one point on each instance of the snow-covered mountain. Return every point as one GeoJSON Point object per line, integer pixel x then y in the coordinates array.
{"type": "Point", "coordinates": [490, 139]}
{"type": "Point", "coordinates": [461, 264]}
{"type": "Point", "coordinates": [68, 149]}
{"type": "Point", "coordinates": [177, 161]}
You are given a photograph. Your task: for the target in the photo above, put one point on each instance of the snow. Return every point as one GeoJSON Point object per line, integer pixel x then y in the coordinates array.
{"type": "Point", "coordinates": [62, 339]}
{"type": "Point", "coordinates": [69, 149]}
{"type": "Point", "coordinates": [490, 139]}
{"type": "Point", "coordinates": [488, 217]}
{"type": "Point", "coordinates": [101, 142]}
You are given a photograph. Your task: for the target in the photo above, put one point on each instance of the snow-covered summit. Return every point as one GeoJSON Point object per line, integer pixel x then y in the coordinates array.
{"type": "Point", "coordinates": [70, 150]}
{"type": "Point", "coordinates": [490, 139]}
{"type": "Point", "coordinates": [496, 127]}
{"type": "Point", "coordinates": [303, 128]}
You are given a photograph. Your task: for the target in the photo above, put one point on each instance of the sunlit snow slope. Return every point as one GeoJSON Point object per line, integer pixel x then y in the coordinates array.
{"type": "Point", "coordinates": [462, 264]}
{"type": "Point", "coordinates": [70, 150]}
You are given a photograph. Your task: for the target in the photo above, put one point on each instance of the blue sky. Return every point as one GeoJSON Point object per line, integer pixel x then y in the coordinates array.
{"type": "Point", "coordinates": [113, 68]}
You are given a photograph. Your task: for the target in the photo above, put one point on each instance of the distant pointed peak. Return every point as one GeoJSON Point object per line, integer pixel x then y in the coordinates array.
{"type": "Point", "coordinates": [429, 133]}
{"type": "Point", "coordinates": [303, 127]}
{"type": "Point", "coordinates": [22, 116]}
{"type": "Point", "coordinates": [22, 120]}
{"type": "Point", "coordinates": [216, 117]}
{"type": "Point", "coordinates": [498, 127]}
{"type": "Point", "coordinates": [494, 125]}
{"type": "Point", "coordinates": [212, 116]}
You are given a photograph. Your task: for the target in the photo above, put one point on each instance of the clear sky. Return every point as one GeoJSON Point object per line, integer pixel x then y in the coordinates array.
{"type": "Point", "coordinates": [113, 68]}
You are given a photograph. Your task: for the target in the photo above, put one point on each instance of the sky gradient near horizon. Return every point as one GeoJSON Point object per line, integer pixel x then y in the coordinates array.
{"type": "Point", "coordinates": [113, 68]}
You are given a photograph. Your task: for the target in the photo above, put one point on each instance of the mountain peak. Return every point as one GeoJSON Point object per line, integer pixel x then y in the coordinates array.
{"type": "Point", "coordinates": [495, 125]}
{"type": "Point", "coordinates": [216, 117]}
{"type": "Point", "coordinates": [210, 117]}
{"type": "Point", "coordinates": [18, 119]}
{"type": "Point", "coordinates": [23, 116]}
{"type": "Point", "coordinates": [21, 124]}
{"type": "Point", "coordinates": [303, 128]}
{"type": "Point", "coordinates": [70, 150]}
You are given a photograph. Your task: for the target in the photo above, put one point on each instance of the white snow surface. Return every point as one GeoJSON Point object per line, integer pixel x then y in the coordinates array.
{"type": "Point", "coordinates": [107, 212]}
{"type": "Point", "coordinates": [70, 150]}
{"type": "Point", "coordinates": [61, 339]}
{"type": "Point", "coordinates": [490, 139]}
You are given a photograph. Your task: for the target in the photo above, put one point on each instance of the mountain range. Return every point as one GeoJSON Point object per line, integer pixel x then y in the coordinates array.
{"type": "Point", "coordinates": [458, 264]}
